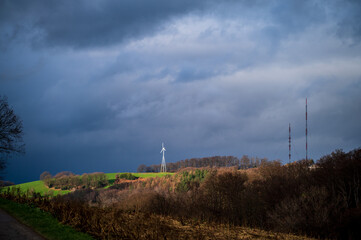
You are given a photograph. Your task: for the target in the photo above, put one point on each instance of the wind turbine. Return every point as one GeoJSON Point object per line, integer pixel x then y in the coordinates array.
{"type": "Point", "coordinates": [163, 167]}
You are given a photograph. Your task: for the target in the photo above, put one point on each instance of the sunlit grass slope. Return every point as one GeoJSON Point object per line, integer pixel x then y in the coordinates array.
{"type": "Point", "coordinates": [39, 186]}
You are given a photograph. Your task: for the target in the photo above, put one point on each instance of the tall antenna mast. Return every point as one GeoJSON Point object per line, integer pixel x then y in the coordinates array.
{"type": "Point", "coordinates": [306, 132]}
{"type": "Point", "coordinates": [163, 167]}
{"type": "Point", "coordinates": [289, 143]}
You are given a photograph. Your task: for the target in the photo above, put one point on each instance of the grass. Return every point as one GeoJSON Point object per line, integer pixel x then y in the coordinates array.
{"type": "Point", "coordinates": [38, 186]}
{"type": "Point", "coordinates": [111, 176]}
{"type": "Point", "coordinates": [42, 222]}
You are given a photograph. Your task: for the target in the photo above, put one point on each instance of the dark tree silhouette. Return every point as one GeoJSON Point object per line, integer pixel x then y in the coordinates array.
{"type": "Point", "coordinates": [11, 132]}
{"type": "Point", "coordinates": [45, 175]}
{"type": "Point", "coordinates": [215, 161]}
{"type": "Point", "coordinates": [142, 168]}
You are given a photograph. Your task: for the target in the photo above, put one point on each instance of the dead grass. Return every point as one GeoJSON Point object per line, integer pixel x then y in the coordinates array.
{"type": "Point", "coordinates": [223, 232]}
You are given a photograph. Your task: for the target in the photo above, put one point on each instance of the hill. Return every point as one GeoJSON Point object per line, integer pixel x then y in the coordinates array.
{"type": "Point", "coordinates": [321, 200]}
{"type": "Point", "coordinates": [40, 187]}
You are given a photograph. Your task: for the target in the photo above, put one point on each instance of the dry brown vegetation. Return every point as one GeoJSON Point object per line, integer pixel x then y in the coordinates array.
{"type": "Point", "coordinates": [222, 203]}
{"type": "Point", "coordinates": [116, 223]}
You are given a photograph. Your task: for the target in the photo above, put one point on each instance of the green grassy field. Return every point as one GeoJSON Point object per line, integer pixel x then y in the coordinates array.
{"type": "Point", "coordinates": [111, 176]}
{"type": "Point", "coordinates": [38, 186]}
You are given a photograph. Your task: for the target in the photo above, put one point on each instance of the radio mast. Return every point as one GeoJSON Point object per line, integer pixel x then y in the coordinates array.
{"type": "Point", "coordinates": [306, 133]}
{"type": "Point", "coordinates": [289, 143]}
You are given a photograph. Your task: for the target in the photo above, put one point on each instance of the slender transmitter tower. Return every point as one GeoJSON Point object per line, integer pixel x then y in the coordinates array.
{"type": "Point", "coordinates": [163, 167]}
{"type": "Point", "coordinates": [289, 143]}
{"type": "Point", "coordinates": [306, 133]}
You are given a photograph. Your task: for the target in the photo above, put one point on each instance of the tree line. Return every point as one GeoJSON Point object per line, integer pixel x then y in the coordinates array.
{"type": "Point", "coordinates": [244, 162]}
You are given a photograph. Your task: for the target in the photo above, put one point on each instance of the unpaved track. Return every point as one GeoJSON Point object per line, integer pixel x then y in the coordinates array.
{"type": "Point", "coordinates": [11, 229]}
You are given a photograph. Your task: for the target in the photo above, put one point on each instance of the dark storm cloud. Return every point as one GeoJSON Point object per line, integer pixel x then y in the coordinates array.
{"type": "Point", "coordinates": [350, 18]}
{"type": "Point", "coordinates": [82, 24]}
{"type": "Point", "coordinates": [91, 23]}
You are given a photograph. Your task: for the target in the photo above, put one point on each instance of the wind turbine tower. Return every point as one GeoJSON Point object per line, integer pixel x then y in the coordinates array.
{"type": "Point", "coordinates": [163, 167]}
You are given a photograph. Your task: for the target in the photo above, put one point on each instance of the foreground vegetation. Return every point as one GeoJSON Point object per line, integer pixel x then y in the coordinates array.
{"type": "Point", "coordinates": [42, 222]}
{"type": "Point", "coordinates": [115, 223]}
{"type": "Point", "coordinates": [321, 200]}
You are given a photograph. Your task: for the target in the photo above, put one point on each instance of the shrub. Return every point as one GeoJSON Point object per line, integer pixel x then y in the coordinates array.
{"type": "Point", "coordinates": [127, 176]}
{"type": "Point", "coordinates": [222, 197]}
{"type": "Point", "coordinates": [191, 179]}
{"type": "Point", "coordinates": [71, 181]}
{"type": "Point", "coordinates": [45, 175]}
{"type": "Point", "coordinates": [311, 212]}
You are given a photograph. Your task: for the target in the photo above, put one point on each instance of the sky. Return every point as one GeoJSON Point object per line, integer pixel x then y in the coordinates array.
{"type": "Point", "coordinates": [99, 85]}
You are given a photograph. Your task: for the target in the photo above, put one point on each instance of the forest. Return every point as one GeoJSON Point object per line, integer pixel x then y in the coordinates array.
{"type": "Point", "coordinates": [216, 161]}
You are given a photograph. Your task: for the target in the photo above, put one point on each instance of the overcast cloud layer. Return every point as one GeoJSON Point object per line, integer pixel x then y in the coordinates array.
{"type": "Point", "coordinates": [100, 84]}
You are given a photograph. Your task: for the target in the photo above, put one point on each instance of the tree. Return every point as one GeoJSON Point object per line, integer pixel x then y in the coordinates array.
{"type": "Point", "coordinates": [11, 132]}
{"type": "Point", "coordinates": [142, 168]}
{"type": "Point", "coordinates": [245, 161]}
{"type": "Point", "coordinates": [45, 175]}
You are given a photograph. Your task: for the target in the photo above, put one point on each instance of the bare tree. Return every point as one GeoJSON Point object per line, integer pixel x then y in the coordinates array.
{"type": "Point", "coordinates": [45, 175]}
{"type": "Point", "coordinates": [11, 132]}
{"type": "Point", "coordinates": [142, 168]}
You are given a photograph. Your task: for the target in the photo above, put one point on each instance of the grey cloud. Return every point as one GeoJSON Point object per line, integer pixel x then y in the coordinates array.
{"type": "Point", "coordinates": [340, 107]}
{"type": "Point", "coordinates": [83, 24]}
{"type": "Point", "coordinates": [349, 24]}
{"type": "Point", "coordinates": [88, 24]}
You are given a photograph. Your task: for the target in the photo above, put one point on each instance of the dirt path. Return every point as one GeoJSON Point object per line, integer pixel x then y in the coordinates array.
{"type": "Point", "coordinates": [10, 228]}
